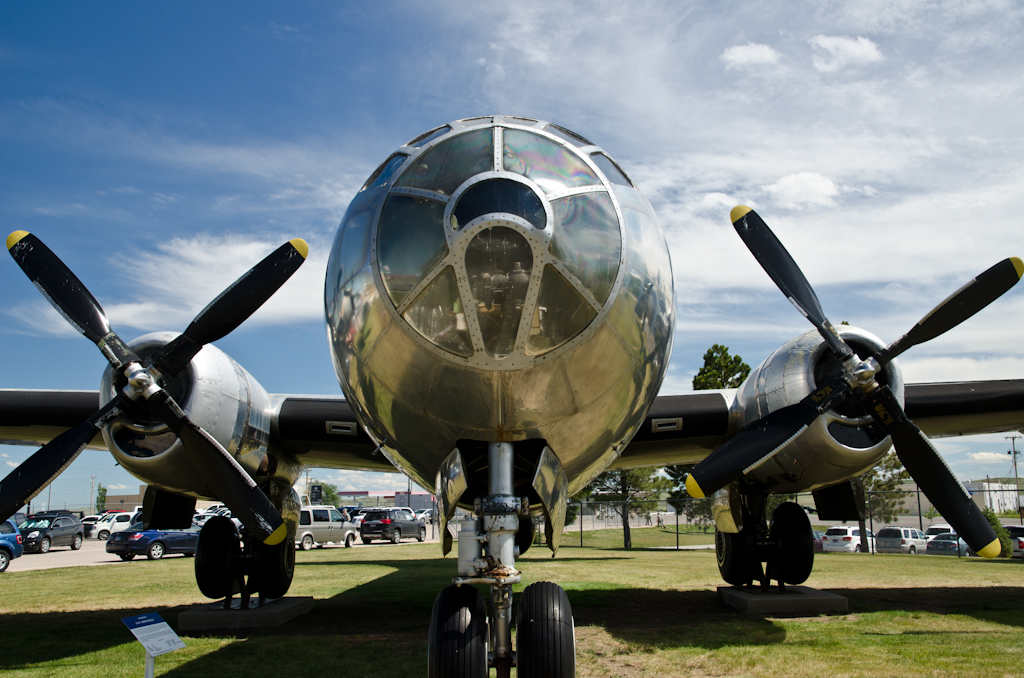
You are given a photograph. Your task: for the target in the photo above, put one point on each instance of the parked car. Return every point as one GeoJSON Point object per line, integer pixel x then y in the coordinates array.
{"type": "Point", "coordinates": [392, 524]}
{"type": "Point", "coordinates": [11, 545]}
{"type": "Point", "coordinates": [894, 539]}
{"type": "Point", "coordinates": [935, 530]}
{"type": "Point", "coordinates": [1017, 538]}
{"type": "Point", "coordinates": [948, 544]}
{"type": "Point", "coordinates": [845, 539]}
{"type": "Point", "coordinates": [319, 525]}
{"type": "Point", "coordinates": [154, 544]}
{"type": "Point", "coordinates": [426, 515]}
{"type": "Point", "coordinates": [112, 523]}
{"type": "Point", "coordinates": [40, 531]}
{"type": "Point", "coordinates": [819, 540]}
{"type": "Point", "coordinates": [356, 515]}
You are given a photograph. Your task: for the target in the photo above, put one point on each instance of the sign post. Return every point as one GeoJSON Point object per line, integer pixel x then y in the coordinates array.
{"type": "Point", "coordinates": [155, 635]}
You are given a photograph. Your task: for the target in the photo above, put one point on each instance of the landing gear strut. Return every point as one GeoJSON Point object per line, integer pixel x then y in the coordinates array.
{"type": "Point", "coordinates": [786, 546]}
{"type": "Point", "coordinates": [228, 562]}
{"type": "Point", "coordinates": [460, 644]}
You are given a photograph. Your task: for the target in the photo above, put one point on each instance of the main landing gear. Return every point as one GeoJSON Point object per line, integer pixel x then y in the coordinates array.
{"type": "Point", "coordinates": [465, 638]}
{"type": "Point", "coordinates": [786, 546]}
{"type": "Point", "coordinates": [230, 562]}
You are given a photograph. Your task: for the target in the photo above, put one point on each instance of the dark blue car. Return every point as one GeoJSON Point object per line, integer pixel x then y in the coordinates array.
{"type": "Point", "coordinates": [10, 544]}
{"type": "Point", "coordinates": [154, 544]}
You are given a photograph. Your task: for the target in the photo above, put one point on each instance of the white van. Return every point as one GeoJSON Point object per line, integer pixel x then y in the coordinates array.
{"type": "Point", "coordinates": [319, 525]}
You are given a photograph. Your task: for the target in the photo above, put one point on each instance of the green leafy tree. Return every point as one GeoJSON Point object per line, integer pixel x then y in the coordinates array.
{"type": "Point", "coordinates": [931, 514]}
{"type": "Point", "coordinates": [623, 487]}
{"type": "Point", "coordinates": [884, 480]}
{"type": "Point", "coordinates": [328, 492]}
{"type": "Point", "coordinates": [1004, 537]}
{"type": "Point", "coordinates": [101, 498]}
{"type": "Point", "coordinates": [720, 370]}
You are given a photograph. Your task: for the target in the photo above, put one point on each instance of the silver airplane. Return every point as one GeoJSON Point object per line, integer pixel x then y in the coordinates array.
{"type": "Point", "coordinates": [500, 309]}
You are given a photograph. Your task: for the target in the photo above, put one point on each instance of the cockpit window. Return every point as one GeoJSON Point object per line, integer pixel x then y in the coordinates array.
{"type": "Point", "coordinates": [561, 314]}
{"type": "Point", "coordinates": [571, 137]}
{"type": "Point", "coordinates": [498, 195]}
{"type": "Point", "coordinates": [439, 316]}
{"type": "Point", "coordinates": [587, 240]}
{"type": "Point", "coordinates": [444, 167]}
{"type": "Point", "coordinates": [384, 172]}
{"type": "Point", "coordinates": [427, 137]}
{"type": "Point", "coordinates": [407, 219]}
{"type": "Point", "coordinates": [610, 169]}
{"type": "Point", "coordinates": [498, 263]}
{"type": "Point", "coordinates": [547, 164]}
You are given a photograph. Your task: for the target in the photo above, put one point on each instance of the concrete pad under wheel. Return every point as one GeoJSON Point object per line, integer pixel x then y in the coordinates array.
{"type": "Point", "coordinates": [213, 616]}
{"type": "Point", "coordinates": [796, 601]}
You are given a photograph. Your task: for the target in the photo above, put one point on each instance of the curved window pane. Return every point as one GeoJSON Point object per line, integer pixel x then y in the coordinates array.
{"type": "Point", "coordinates": [561, 314]}
{"type": "Point", "coordinates": [569, 136]}
{"type": "Point", "coordinates": [410, 242]}
{"type": "Point", "coordinates": [498, 195]}
{"type": "Point", "coordinates": [610, 169]}
{"type": "Point", "coordinates": [587, 240]}
{"type": "Point", "coordinates": [439, 316]}
{"type": "Point", "coordinates": [498, 262]}
{"type": "Point", "coordinates": [427, 137]}
{"type": "Point", "coordinates": [444, 167]}
{"type": "Point", "coordinates": [384, 172]}
{"type": "Point", "coordinates": [355, 240]}
{"type": "Point", "coordinates": [549, 165]}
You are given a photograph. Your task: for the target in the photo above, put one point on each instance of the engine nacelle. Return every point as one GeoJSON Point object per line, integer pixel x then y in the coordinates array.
{"type": "Point", "coordinates": [216, 393]}
{"type": "Point", "coordinates": [839, 444]}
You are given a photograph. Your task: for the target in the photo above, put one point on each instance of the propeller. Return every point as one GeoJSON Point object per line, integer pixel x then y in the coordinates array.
{"type": "Point", "coordinates": [759, 441]}
{"type": "Point", "coordinates": [214, 464]}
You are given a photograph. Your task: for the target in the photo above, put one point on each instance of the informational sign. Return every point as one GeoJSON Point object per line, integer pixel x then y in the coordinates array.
{"type": "Point", "coordinates": [153, 632]}
{"type": "Point", "coordinates": [316, 494]}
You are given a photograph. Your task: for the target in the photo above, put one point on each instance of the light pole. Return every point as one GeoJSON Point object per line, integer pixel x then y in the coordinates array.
{"type": "Point", "coordinates": [1013, 452]}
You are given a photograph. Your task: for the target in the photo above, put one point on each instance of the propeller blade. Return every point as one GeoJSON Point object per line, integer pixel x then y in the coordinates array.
{"type": "Point", "coordinates": [780, 267]}
{"type": "Point", "coordinates": [33, 475]}
{"type": "Point", "coordinates": [929, 470]}
{"type": "Point", "coordinates": [68, 295]}
{"type": "Point", "coordinates": [234, 305]}
{"type": "Point", "coordinates": [228, 480]}
{"type": "Point", "coordinates": [761, 440]}
{"type": "Point", "coordinates": [959, 306]}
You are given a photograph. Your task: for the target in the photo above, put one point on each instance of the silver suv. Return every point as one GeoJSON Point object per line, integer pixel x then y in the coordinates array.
{"type": "Point", "coordinates": [319, 525]}
{"type": "Point", "coordinates": [901, 540]}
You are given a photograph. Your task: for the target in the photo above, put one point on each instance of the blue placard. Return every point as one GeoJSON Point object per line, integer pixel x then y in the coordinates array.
{"type": "Point", "coordinates": [142, 620]}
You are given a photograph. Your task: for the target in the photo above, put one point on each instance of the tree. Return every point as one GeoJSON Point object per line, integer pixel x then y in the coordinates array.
{"type": "Point", "coordinates": [1001, 533]}
{"type": "Point", "coordinates": [720, 370]}
{"type": "Point", "coordinates": [101, 498]}
{"type": "Point", "coordinates": [696, 510]}
{"type": "Point", "coordinates": [623, 487]}
{"type": "Point", "coordinates": [328, 492]}
{"type": "Point", "coordinates": [887, 475]}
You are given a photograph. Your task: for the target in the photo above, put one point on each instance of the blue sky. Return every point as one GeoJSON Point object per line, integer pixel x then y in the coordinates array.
{"type": "Point", "coordinates": [161, 150]}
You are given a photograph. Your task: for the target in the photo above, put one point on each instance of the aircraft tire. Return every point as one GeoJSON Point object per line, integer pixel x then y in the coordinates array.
{"type": "Point", "coordinates": [735, 557]}
{"type": "Point", "coordinates": [545, 633]}
{"type": "Point", "coordinates": [274, 567]}
{"type": "Point", "coordinates": [216, 557]}
{"type": "Point", "coordinates": [457, 641]}
{"type": "Point", "coordinates": [791, 530]}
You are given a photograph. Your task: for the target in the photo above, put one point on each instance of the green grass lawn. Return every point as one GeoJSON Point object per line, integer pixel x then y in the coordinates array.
{"type": "Point", "coordinates": [638, 613]}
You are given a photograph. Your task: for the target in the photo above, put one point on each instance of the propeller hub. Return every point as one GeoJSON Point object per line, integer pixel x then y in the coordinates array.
{"type": "Point", "coordinates": [140, 383]}
{"type": "Point", "coordinates": [863, 373]}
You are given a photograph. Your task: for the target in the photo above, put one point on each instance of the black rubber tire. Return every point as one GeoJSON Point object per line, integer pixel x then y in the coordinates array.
{"type": "Point", "coordinates": [126, 556]}
{"type": "Point", "coordinates": [44, 545]}
{"type": "Point", "coordinates": [421, 536]}
{"type": "Point", "coordinates": [545, 637]}
{"type": "Point", "coordinates": [273, 568]}
{"type": "Point", "coordinates": [76, 543]}
{"type": "Point", "coordinates": [367, 540]}
{"type": "Point", "coordinates": [457, 640]}
{"type": "Point", "coordinates": [217, 551]}
{"type": "Point", "coordinates": [735, 557]}
{"type": "Point", "coordinates": [350, 540]}
{"type": "Point", "coordinates": [396, 536]}
{"type": "Point", "coordinates": [103, 535]}
{"type": "Point", "coordinates": [155, 551]}
{"type": "Point", "coordinates": [913, 550]}
{"type": "Point", "coordinates": [307, 542]}
{"type": "Point", "coordinates": [791, 529]}
{"type": "Point", "coordinates": [856, 549]}
{"type": "Point", "coordinates": [5, 559]}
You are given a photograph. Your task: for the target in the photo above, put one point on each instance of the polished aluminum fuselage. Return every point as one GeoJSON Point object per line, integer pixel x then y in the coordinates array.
{"type": "Point", "coordinates": [585, 397]}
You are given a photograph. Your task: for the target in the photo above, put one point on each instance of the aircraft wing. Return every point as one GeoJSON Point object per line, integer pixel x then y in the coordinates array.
{"type": "Point", "coordinates": [683, 429]}
{"type": "Point", "coordinates": [321, 431]}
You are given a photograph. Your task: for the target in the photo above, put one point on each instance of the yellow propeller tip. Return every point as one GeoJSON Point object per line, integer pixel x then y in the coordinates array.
{"type": "Point", "coordinates": [300, 246]}
{"type": "Point", "coordinates": [992, 550]}
{"type": "Point", "coordinates": [14, 238]}
{"type": "Point", "coordinates": [1019, 265]}
{"type": "Point", "coordinates": [738, 213]}
{"type": "Point", "coordinates": [281, 532]}
{"type": "Point", "coordinates": [693, 488]}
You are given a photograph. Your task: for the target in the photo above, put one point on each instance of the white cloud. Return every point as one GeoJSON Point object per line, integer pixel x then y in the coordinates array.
{"type": "Point", "coordinates": [988, 457]}
{"type": "Point", "coordinates": [117, 487]}
{"type": "Point", "coordinates": [833, 53]}
{"type": "Point", "coordinates": [803, 188]}
{"type": "Point", "coordinates": [750, 54]}
{"type": "Point", "coordinates": [11, 464]}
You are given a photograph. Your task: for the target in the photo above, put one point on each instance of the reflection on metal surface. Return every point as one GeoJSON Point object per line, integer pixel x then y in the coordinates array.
{"type": "Point", "coordinates": [548, 164]}
{"type": "Point", "coordinates": [445, 166]}
{"type": "Point", "coordinates": [727, 509]}
{"type": "Point", "coordinates": [498, 263]}
{"type": "Point", "coordinates": [552, 486]}
{"type": "Point", "coordinates": [449, 485]}
{"type": "Point", "coordinates": [404, 221]}
{"type": "Point", "coordinates": [439, 316]}
{"type": "Point", "coordinates": [587, 240]}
